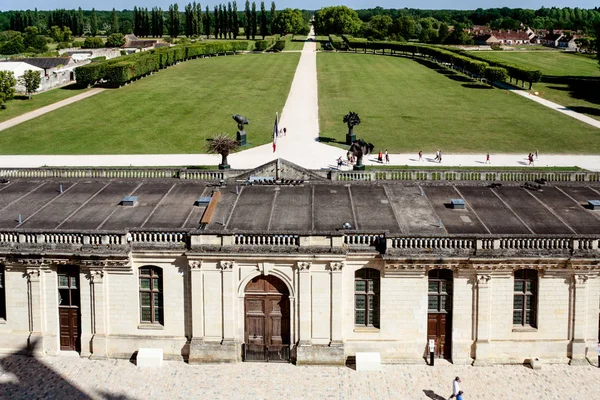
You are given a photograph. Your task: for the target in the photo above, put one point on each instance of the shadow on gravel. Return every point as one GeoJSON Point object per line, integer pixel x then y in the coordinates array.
{"type": "Point", "coordinates": [29, 378]}
{"type": "Point", "coordinates": [325, 139]}
{"type": "Point", "coordinates": [432, 395]}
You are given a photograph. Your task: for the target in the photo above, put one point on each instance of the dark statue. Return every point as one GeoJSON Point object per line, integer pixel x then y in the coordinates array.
{"type": "Point", "coordinates": [360, 148]}
{"type": "Point", "coordinates": [241, 133]}
{"type": "Point", "coordinates": [351, 119]}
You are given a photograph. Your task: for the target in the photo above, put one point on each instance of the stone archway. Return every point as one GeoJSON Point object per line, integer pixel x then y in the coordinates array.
{"type": "Point", "coordinates": [266, 320]}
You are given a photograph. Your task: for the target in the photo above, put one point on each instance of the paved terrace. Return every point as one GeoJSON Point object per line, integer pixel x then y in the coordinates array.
{"type": "Point", "coordinates": [399, 208]}
{"type": "Point", "coordinates": [75, 378]}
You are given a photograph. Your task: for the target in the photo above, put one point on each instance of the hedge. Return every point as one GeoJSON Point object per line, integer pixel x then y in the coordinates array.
{"type": "Point", "coordinates": [515, 72]}
{"type": "Point", "coordinates": [337, 42]}
{"type": "Point", "coordinates": [118, 71]}
{"type": "Point", "coordinates": [467, 64]}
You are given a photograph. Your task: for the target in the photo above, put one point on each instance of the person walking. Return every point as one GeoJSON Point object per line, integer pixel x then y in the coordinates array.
{"type": "Point", "coordinates": [440, 156]}
{"type": "Point", "coordinates": [420, 155]}
{"type": "Point", "coordinates": [487, 158]}
{"type": "Point", "coordinates": [536, 155]}
{"type": "Point", "coordinates": [380, 157]}
{"type": "Point", "coordinates": [456, 392]}
{"type": "Point", "coordinates": [437, 155]}
{"type": "Point", "coordinates": [387, 157]}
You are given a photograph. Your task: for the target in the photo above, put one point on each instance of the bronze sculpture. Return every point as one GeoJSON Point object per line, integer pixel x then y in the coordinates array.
{"type": "Point", "coordinates": [351, 119]}
{"type": "Point", "coordinates": [360, 148]}
{"type": "Point", "coordinates": [241, 133]}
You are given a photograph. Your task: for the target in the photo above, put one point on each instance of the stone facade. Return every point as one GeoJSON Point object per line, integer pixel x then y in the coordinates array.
{"type": "Point", "coordinates": [204, 306]}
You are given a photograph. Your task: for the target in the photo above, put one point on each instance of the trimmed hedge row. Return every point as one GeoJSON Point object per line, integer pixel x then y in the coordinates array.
{"type": "Point", "coordinates": [476, 68]}
{"type": "Point", "coordinates": [281, 43]}
{"type": "Point", "coordinates": [337, 42]}
{"type": "Point", "coordinates": [266, 44]}
{"type": "Point", "coordinates": [118, 71]}
{"type": "Point", "coordinates": [515, 72]}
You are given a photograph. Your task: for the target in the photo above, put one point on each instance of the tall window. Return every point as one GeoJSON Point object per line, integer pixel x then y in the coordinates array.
{"type": "Point", "coordinates": [525, 297]}
{"type": "Point", "coordinates": [151, 296]}
{"type": "Point", "coordinates": [439, 291]}
{"type": "Point", "coordinates": [2, 294]}
{"type": "Point", "coordinates": [366, 297]}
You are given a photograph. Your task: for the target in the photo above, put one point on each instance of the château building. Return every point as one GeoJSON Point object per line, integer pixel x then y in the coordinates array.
{"type": "Point", "coordinates": [282, 263]}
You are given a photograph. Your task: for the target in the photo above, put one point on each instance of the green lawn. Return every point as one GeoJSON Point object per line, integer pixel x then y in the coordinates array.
{"type": "Point", "coordinates": [407, 106]}
{"type": "Point", "coordinates": [296, 44]}
{"type": "Point", "coordinates": [173, 111]}
{"type": "Point", "coordinates": [21, 104]}
{"type": "Point", "coordinates": [571, 80]}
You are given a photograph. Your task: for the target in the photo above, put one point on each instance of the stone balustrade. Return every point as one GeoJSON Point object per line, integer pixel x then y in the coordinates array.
{"type": "Point", "coordinates": [488, 245]}
{"type": "Point", "coordinates": [450, 175]}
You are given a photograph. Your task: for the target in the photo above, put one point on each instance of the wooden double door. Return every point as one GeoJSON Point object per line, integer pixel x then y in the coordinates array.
{"type": "Point", "coordinates": [439, 314]}
{"type": "Point", "coordinates": [267, 316]}
{"type": "Point", "coordinates": [69, 313]}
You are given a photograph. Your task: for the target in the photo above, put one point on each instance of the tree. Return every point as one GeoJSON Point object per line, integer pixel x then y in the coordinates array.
{"type": "Point", "coordinates": [273, 16]}
{"type": "Point", "coordinates": [290, 21]}
{"type": "Point", "coordinates": [93, 23]}
{"type": "Point", "coordinates": [263, 20]}
{"type": "Point", "coordinates": [189, 20]}
{"type": "Point", "coordinates": [379, 26]}
{"type": "Point", "coordinates": [93, 43]}
{"type": "Point", "coordinates": [174, 23]}
{"type": "Point", "coordinates": [337, 20]}
{"type": "Point", "coordinates": [217, 22]}
{"type": "Point", "coordinates": [229, 20]}
{"type": "Point", "coordinates": [11, 42]}
{"type": "Point", "coordinates": [114, 21]}
{"type": "Point", "coordinates": [247, 20]}
{"type": "Point", "coordinates": [404, 26]}
{"type": "Point", "coordinates": [443, 33]}
{"type": "Point", "coordinates": [35, 43]}
{"type": "Point", "coordinates": [31, 80]}
{"type": "Point", "coordinates": [7, 87]}
{"type": "Point", "coordinates": [79, 22]}
{"type": "Point", "coordinates": [115, 40]}
{"type": "Point", "coordinates": [253, 20]}
{"type": "Point", "coordinates": [236, 22]}
{"type": "Point", "coordinates": [207, 22]}
{"type": "Point", "coordinates": [222, 144]}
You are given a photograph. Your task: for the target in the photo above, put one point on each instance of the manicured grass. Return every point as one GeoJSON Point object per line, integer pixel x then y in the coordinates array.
{"type": "Point", "coordinates": [21, 104]}
{"type": "Point", "coordinates": [173, 111]}
{"type": "Point", "coordinates": [571, 80]}
{"type": "Point", "coordinates": [409, 105]}
{"type": "Point", "coordinates": [553, 63]}
{"type": "Point", "coordinates": [294, 45]}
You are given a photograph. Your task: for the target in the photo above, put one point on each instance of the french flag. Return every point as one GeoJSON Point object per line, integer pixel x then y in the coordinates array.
{"type": "Point", "coordinates": [275, 132]}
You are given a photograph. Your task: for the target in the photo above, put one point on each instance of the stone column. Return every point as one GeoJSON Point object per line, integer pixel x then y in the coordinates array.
{"type": "Point", "coordinates": [484, 318]}
{"type": "Point", "coordinates": [228, 301]}
{"type": "Point", "coordinates": [580, 319]}
{"type": "Point", "coordinates": [336, 303]}
{"type": "Point", "coordinates": [35, 342]}
{"type": "Point", "coordinates": [99, 321]}
{"type": "Point", "coordinates": [304, 303]}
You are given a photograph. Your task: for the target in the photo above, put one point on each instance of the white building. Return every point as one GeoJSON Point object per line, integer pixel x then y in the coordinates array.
{"type": "Point", "coordinates": [18, 69]}
{"type": "Point", "coordinates": [225, 273]}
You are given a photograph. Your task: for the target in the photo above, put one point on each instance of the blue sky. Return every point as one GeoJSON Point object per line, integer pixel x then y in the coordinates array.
{"type": "Point", "coordinates": [304, 4]}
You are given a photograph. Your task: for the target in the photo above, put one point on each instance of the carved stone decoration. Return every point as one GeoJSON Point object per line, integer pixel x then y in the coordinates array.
{"type": "Point", "coordinates": [195, 264]}
{"type": "Point", "coordinates": [483, 280]}
{"type": "Point", "coordinates": [335, 266]}
{"type": "Point", "coordinates": [225, 265]}
{"type": "Point", "coordinates": [580, 279]}
{"type": "Point", "coordinates": [96, 276]}
{"type": "Point", "coordinates": [33, 275]}
{"type": "Point", "coordinates": [304, 265]}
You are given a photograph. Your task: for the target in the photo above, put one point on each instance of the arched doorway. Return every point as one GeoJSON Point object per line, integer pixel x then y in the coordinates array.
{"type": "Point", "coordinates": [439, 312]}
{"type": "Point", "coordinates": [267, 320]}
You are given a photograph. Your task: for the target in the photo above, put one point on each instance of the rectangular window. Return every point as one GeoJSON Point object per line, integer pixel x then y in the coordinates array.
{"type": "Point", "coordinates": [366, 297]}
{"type": "Point", "coordinates": [525, 297]}
{"type": "Point", "coordinates": [151, 300]}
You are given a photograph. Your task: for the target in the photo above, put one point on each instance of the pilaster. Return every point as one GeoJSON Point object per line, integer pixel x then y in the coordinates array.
{"type": "Point", "coordinates": [580, 319]}
{"type": "Point", "coordinates": [483, 320]}
{"type": "Point", "coordinates": [99, 346]}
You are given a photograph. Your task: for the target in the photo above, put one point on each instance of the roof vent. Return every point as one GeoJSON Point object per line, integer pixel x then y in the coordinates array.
{"type": "Point", "coordinates": [202, 201]}
{"type": "Point", "coordinates": [594, 204]}
{"type": "Point", "coordinates": [129, 201]}
{"type": "Point", "coordinates": [457, 204]}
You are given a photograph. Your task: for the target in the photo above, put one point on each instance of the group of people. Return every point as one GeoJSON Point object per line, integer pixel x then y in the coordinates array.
{"type": "Point", "coordinates": [530, 157]}
{"type": "Point", "coordinates": [380, 157]}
